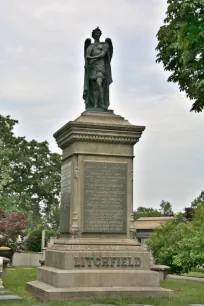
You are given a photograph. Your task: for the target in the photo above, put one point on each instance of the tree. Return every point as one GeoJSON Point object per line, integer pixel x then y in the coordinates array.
{"type": "Point", "coordinates": [146, 212]}
{"type": "Point", "coordinates": [28, 170]}
{"type": "Point", "coordinates": [12, 225]}
{"type": "Point", "coordinates": [33, 243]}
{"type": "Point", "coordinates": [199, 201]}
{"type": "Point", "coordinates": [181, 48]}
{"type": "Point", "coordinates": [188, 213]}
{"type": "Point", "coordinates": [166, 208]}
{"type": "Point", "coordinates": [180, 244]}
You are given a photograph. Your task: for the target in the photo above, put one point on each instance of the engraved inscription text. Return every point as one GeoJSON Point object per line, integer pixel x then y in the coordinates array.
{"type": "Point", "coordinates": [105, 197]}
{"type": "Point", "coordinates": [65, 197]}
{"type": "Point", "coordinates": [107, 261]}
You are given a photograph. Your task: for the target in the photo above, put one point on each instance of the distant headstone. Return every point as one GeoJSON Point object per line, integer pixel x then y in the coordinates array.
{"type": "Point", "coordinates": [196, 305]}
{"type": "Point", "coordinates": [102, 305]}
{"type": "Point", "coordinates": [139, 305]}
{"type": "Point", "coordinates": [5, 298]}
{"type": "Point", "coordinates": [40, 305]}
{"type": "Point", "coordinates": [3, 292]}
{"type": "Point", "coordinates": [1, 272]}
{"type": "Point", "coordinates": [1, 265]}
{"type": "Point", "coordinates": [43, 240]}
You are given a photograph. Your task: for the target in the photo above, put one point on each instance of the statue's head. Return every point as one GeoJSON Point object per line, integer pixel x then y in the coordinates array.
{"type": "Point", "coordinates": [96, 33]}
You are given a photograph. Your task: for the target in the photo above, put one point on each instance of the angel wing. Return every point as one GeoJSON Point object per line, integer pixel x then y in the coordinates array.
{"type": "Point", "coordinates": [110, 45]}
{"type": "Point", "coordinates": [86, 45]}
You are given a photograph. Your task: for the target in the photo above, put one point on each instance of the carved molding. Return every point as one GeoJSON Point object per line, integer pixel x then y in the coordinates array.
{"type": "Point", "coordinates": [64, 141]}
{"type": "Point", "coordinates": [106, 138]}
{"type": "Point", "coordinates": [97, 126]}
{"type": "Point", "coordinates": [75, 227]}
{"type": "Point", "coordinates": [98, 132]}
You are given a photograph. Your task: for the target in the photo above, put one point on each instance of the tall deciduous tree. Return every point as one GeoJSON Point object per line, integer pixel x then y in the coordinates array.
{"type": "Point", "coordinates": [28, 170]}
{"type": "Point", "coordinates": [199, 201]}
{"type": "Point", "coordinates": [188, 213]}
{"type": "Point", "coordinates": [181, 48]}
{"type": "Point", "coordinates": [166, 208]}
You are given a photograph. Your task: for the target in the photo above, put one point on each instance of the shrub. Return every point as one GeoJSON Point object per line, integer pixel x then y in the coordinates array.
{"type": "Point", "coordinates": [12, 225]}
{"type": "Point", "coordinates": [33, 243]}
{"type": "Point", "coordinates": [180, 244]}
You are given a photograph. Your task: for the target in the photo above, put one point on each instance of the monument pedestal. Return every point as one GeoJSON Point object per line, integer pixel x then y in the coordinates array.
{"type": "Point", "coordinates": [97, 254]}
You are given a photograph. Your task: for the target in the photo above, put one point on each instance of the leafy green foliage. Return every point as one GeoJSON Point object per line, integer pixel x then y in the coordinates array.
{"type": "Point", "coordinates": [179, 243]}
{"type": "Point", "coordinates": [29, 176]}
{"type": "Point", "coordinates": [146, 212]}
{"type": "Point", "coordinates": [199, 201]}
{"type": "Point", "coordinates": [188, 213]}
{"type": "Point", "coordinates": [166, 208]}
{"type": "Point", "coordinates": [181, 48]}
{"type": "Point", "coordinates": [33, 242]}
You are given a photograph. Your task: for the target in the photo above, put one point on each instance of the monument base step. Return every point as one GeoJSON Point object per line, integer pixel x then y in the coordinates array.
{"type": "Point", "coordinates": [97, 278]}
{"type": "Point", "coordinates": [46, 292]}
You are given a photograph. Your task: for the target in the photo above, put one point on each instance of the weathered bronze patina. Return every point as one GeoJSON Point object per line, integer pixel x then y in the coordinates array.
{"type": "Point", "coordinates": [97, 77]}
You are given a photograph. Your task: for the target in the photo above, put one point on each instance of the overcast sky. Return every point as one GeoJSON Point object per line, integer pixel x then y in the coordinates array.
{"type": "Point", "coordinates": [41, 84]}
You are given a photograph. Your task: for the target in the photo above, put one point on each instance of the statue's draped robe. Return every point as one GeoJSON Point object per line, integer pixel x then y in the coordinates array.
{"type": "Point", "coordinates": [97, 68]}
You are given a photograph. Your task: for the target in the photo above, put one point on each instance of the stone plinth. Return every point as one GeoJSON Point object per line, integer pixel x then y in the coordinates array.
{"type": "Point", "coordinates": [96, 255]}
{"type": "Point", "coordinates": [162, 269]}
{"type": "Point", "coordinates": [97, 174]}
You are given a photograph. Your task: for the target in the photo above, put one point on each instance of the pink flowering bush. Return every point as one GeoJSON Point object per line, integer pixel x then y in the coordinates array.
{"type": "Point", "coordinates": [12, 225]}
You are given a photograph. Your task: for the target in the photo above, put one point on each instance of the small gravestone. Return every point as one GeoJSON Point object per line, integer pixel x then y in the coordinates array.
{"type": "Point", "coordinates": [103, 305]}
{"type": "Point", "coordinates": [4, 292]}
{"type": "Point", "coordinates": [139, 305]}
{"type": "Point", "coordinates": [7, 298]}
{"type": "Point", "coordinates": [1, 272]}
{"type": "Point", "coordinates": [196, 305]}
{"type": "Point", "coordinates": [40, 305]}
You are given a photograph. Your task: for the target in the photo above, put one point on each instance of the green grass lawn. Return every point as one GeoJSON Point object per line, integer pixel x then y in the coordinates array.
{"type": "Point", "coordinates": [185, 293]}
{"type": "Point", "coordinates": [195, 274]}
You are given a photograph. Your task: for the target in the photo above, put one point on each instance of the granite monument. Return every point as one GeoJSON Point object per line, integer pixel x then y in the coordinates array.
{"type": "Point", "coordinates": [97, 254]}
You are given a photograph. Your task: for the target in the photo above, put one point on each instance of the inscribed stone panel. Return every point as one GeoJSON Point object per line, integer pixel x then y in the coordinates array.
{"type": "Point", "coordinates": [105, 193]}
{"type": "Point", "coordinates": [65, 197]}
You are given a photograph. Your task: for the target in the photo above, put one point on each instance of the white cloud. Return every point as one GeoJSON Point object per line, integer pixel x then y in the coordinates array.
{"type": "Point", "coordinates": [71, 17]}
{"type": "Point", "coordinates": [41, 83]}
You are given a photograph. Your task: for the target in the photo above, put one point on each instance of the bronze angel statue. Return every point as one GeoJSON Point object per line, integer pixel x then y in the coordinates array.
{"type": "Point", "coordinates": [97, 77]}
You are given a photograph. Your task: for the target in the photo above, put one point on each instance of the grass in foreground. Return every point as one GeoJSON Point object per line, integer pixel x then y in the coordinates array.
{"type": "Point", "coordinates": [185, 293]}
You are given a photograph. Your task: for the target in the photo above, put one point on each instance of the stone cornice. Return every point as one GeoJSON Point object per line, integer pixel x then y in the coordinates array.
{"type": "Point", "coordinates": [87, 125]}
{"type": "Point", "coordinates": [98, 132]}
{"type": "Point", "coordinates": [98, 127]}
